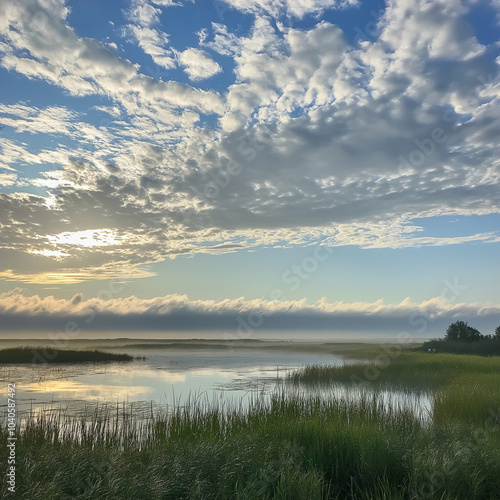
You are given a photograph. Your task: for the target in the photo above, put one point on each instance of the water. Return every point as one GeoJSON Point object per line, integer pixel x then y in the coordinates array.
{"type": "Point", "coordinates": [166, 376]}
{"type": "Point", "coordinates": [178, 374]}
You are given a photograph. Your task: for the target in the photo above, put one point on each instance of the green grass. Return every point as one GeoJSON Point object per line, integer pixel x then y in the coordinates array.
{"type": "Point", "coordinates": [402, 368]}
{"type": "Point", "coordinates": [466, 388]}
{"type": "Point", "coordinates": [489, 347]}
{"type": "Point", "coordinates": [291, 447]}
{"type": "Point", "coordinates": [470, 399]}
{"type": "Point", "coordinates": [49, 355]}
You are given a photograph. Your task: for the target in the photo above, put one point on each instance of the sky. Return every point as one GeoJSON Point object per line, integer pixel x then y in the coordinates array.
{"type": "Point", "coordinates": [243, 165]}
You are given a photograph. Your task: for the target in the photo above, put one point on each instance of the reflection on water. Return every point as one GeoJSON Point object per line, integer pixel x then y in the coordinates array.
{"type": "Point", "coordinates": [179, 376]}
{"type": "Point", "coordinates": [165, 377]}
{"type": "Point", "coordinates": [71, 389]}
{"type": "Point", "coordinates": [420, 404]}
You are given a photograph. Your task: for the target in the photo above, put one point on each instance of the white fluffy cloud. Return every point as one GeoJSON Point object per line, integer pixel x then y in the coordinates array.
{"type": "Point", "coordinates": [317, 137]}
{"type": "Point", "coordinates": [85, 66]}
{"type": "Point", "coordinates": [7, 179]}
{"type": "Point", "coordinates": [51, 120]}
{"type": "Point", "coordinates": [236, 315]}
{"type": "Point", "coordinates": [297, 8]}
{"type": "Point", "coordinates": [145, 20]}
{"type": "Point", "coordinates": [16, 302]}
{"type": "Point", "coordinates": [279, 73]}
{"type": "Point", "coordinates": [197, 64]}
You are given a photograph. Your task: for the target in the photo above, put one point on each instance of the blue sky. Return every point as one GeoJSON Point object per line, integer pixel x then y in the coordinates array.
{"type": "Point", "coordinates": [201, 156]}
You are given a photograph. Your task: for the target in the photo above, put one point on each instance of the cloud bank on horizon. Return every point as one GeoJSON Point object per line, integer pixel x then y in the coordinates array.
{"type": "Point", "coordinates": [262, 123]}
{"type": "Point", "coordinates": [238, 318]}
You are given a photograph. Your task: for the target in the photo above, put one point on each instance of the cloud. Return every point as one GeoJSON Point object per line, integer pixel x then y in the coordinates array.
{"type": "Point", "coordinates": [13, 152]}
{"type": "Point", "coordinates": [238, 317]}
{"type": "Point", "coordinates": [197, 64]}
{"type": "Point", "coordinates": [145, 19]}
{"type": "Point", "coordinates": [15, 301]}
{"type": "Point", "coordinates": [145, 22]}
{"type": "Point", "coordinates": [280, 73]}
{"type": "Point", "coordinates": [68, 276]}
{"type": "Point", "coordinates": [317, 139]}
{"type": "Point", "coordinates": [51, 120]}
{"type": "Point", "coordinates": [8, 179]}
{"type": "Point", "coordinates": [398, 235]}
{"type": "Point", "coordinates": [296, 8]}
{"type": "Point", "coordinates": [84, 66]}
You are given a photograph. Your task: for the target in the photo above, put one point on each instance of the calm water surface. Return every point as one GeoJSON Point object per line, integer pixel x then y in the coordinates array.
{"type": "Point", "coordinates": [176, 376]}
{"type": "Point", "coordinates": [165, 377]}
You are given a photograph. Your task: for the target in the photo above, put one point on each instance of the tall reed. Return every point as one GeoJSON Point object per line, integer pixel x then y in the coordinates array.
{"type": "Point", "coordinates": [291, 445]}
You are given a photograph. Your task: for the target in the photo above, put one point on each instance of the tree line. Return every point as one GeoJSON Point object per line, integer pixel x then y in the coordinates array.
{"type": "Point", "coordinates": [461, 331]}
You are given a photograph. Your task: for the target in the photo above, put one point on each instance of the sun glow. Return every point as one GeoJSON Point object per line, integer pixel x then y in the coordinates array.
{"type": "Point", "coordinates": [88, 238]}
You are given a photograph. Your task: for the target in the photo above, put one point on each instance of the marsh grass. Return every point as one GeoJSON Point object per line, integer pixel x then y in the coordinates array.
{"type": "Point", "coordinates": [29, 354]}
{"type": "Point", "coordinates": [402, 368]}
{"type": "Point", "coordinates": [466, 388]}
{"type": "Point", "coordinates": [470, 399]}
{"type": "Point", "coordinates": [485, 347]}
{"type": "Point", "coordinates": [292, 444]}
{"type": "Point", "coordinates": [287, 446]}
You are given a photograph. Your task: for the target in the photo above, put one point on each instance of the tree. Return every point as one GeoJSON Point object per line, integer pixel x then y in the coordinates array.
{"type": "Point", "coordinates": [460, 330]}
{"type": "Point", "coordinates": [496, 336]}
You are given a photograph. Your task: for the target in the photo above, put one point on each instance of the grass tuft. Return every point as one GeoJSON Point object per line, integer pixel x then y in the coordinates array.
{"type": "Point", "coordinates": [49, 355]}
